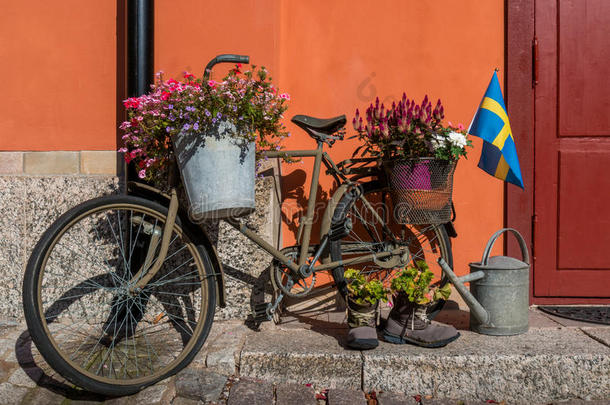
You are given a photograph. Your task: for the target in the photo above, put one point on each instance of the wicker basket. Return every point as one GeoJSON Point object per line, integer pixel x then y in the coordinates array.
{"type": "Point", "coordinates": [421, 190]}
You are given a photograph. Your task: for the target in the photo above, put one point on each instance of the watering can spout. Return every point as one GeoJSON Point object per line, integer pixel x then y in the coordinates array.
{"type": "Point", "coordinates": [458, 282]}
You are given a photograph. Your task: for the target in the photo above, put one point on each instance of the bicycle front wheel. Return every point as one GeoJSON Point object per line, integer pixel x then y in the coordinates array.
{"type": "Point", "coordinates": [372, 231]}
{"type": "Point", "coordinates": [87, 321]}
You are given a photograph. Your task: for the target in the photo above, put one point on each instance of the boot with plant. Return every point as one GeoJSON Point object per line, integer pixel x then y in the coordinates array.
{"type": "Point", "coordinates": [407, 322]}
{"type": "Point", "coordinates": [362, 309]}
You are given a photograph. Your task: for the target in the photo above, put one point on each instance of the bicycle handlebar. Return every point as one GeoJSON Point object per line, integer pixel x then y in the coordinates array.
{"type": "Point", "coordinates": [224, 58]}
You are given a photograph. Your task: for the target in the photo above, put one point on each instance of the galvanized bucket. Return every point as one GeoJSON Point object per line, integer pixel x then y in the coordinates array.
{"type": "Point", "coordinates": [217, 171]}
{"type": "Point", "coordinates": [503, 291]}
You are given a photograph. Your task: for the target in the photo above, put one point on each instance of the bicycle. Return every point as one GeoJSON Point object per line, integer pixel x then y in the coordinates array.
{"type": "Point", "coordinates": [120, 291]}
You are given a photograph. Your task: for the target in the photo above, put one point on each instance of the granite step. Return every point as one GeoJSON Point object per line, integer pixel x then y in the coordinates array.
{"type": "Point", "coordinates": [304, 360]}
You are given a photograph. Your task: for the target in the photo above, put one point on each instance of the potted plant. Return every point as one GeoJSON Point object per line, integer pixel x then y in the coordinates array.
{"type": "Point", "coordinates": [216, 129]}
{"type": "Point", "coordinates": [407, 321]}
{"type": "Point", "coordinates": [363, 299]}
{"type": "Point", "coordinates": [414, 283]}
{"type": "Point", "coordinates": [418, 152]}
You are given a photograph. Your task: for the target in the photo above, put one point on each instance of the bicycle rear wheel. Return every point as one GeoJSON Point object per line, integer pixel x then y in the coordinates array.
{"type": "Point", "coordinates": [369, 209]}
{"type": "Point", "coordinates": [84, 319]}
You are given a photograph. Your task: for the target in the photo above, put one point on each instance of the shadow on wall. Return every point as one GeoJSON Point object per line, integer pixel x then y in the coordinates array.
{"type": "Point", "coordinates": [294, 207]}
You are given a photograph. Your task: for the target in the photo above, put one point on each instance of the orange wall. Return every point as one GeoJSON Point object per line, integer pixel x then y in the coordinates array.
{"type": "Point", "coordinates": [59, 75]}
{"type": "Point", "coordinates": [331, 56]}
{"type": "Point", "coordinates": [339, 55]}
{"type": "Point", "coordinates": [334, 56]}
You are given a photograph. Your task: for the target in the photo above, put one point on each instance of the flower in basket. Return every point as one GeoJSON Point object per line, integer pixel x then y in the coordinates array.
{"type": "Point", "coordinates": [409, 130]}
{"type": "Point", "coordinates": [248, 100]}
{"type": "Point", "coordinates": [419, 154]}
{"type": "Point", "coordinates": [414, 282]}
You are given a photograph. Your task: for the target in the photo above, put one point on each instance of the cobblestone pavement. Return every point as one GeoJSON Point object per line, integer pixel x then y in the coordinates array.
{"type": "Point", "coordinates": [213, 378]}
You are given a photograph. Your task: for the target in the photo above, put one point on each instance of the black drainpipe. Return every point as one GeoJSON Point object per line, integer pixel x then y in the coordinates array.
{"type": "Point", "coordinates": [140, 53]}
{"type": "Point", "coordinates": [140, 46]}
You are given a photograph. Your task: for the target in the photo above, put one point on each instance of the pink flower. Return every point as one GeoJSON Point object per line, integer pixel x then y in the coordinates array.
{"type": "Point", "coordinates": [460, 127]}
{"type": "Point", "coordinates": [212, 83]}
{"type": "Point", "coordinates": [131, 103]}
{"type": "Point", "coordinates": [285, 96]}
{"type": "Point", "coordinates": [142, 173]}
{"type": "Point", "coordinates": [123, 149]}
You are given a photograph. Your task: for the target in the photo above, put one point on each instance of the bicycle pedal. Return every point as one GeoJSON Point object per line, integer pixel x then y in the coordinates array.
{"type": "Point", "coordinates": [261, 312]}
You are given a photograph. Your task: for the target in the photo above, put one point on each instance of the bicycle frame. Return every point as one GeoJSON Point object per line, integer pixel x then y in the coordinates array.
{"type": "Point", "coordinates": [320, 156]}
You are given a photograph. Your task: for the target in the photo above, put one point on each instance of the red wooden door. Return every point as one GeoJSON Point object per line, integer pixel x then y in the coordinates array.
{"type": "Point", "coordinates": [572, 149]}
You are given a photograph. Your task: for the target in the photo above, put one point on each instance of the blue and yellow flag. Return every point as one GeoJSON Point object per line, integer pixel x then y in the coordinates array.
{"type": "Point", "coordinates": [499, 155]}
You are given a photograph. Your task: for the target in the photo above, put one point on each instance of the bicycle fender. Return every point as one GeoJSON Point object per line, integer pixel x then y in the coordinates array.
{"type": "Point", "coordinates": [328, 216]}
{"type": "Point", "coordinates": [151, 193]}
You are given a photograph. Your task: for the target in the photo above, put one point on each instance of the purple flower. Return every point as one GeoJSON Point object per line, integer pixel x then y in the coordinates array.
{"type": "Point", "coordinates": [219, 115]}
{"type": "Point", "coordinates": [171, 117]}
{"type": "Point", "coordinates": [170, 106]}
{"type": "Point", "coordinates": [196, 126]}
{"type": "Point", "coordinates": [207, 113]}
{"type": "Point", "coordinates": [234, 108]}
{"type": "Point", "coordinates": [214, 120]}
{"type": "Point", "coordinates": [186, 127]}
{"type": "Point", "coordinates": [168, 129]}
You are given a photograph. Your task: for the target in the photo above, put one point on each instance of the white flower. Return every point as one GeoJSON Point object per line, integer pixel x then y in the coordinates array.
{"type": "Point", "coordinates": [457, 139]}
{"type": "Point", "coordinates": [437, 141]}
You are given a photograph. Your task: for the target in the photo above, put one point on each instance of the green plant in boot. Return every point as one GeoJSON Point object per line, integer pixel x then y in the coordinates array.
{"type": "Point", "coordinates": [415, 283]}
{"type": "Point", "coordinates": [362, 307]}
{"type": "Point", "coordinates": [363, 291]}
{"type": "Point", "coordinates": [407, 322]}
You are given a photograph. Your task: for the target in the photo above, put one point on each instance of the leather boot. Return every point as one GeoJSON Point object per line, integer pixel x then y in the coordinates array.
{"type": "Point", "coordinates": [362, 322]}
{"type": "Point", "coordinates": [408, 323]}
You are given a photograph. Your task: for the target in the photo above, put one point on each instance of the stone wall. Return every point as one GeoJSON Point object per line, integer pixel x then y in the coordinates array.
{"type": "Point", "coordinates": [30, 202]}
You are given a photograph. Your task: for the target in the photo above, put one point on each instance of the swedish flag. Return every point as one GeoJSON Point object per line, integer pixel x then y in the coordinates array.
{"type": "Point", "coordinates": [499, 155]}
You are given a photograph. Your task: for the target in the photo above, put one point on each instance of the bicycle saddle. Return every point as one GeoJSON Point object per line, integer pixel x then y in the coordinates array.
{"type": "Point", "coordinates": [321, 129]}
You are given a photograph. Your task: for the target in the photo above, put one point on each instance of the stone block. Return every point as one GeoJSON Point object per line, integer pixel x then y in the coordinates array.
{"type": "Point", "coordinates": [11, 163]}
{"type": "Point", "coordinates": [28, 206]}
{"type": "Point", "coordinates": [338, 396]}
{"type": "Point", "coordinates": [223, 350]}
{"type": "Point", "coordinates": [25, 378]}
{"type": "Point", "coordinates": [198, 384]}
{"type": "Point", "coordinates": [301, 356]}
{"type": "Point", "coordinates": [295, 394]}
{"type": "Point", "coordinates": [11, 395]}
{"type": "Point", "coordinates": [251, 392]}
{"type": "Point", "coordinates": [395, 398]}
{"type": "Point", "coordinates": [599, 333]}
{"type": "Point", "coordinates": [245, 263]}
{"type": "Point", "coordinates": [52, 162]}
{"type": "Point", "coordinates": [185, 401]}
{"type": "Point", "coordinates": [541, 365]}
{"type": "Point", "coordinates": [99, 162]}
{"type": "Point", "coordinates": [46, 397]}
{"type": "Point", "coordinates": [153, 395]}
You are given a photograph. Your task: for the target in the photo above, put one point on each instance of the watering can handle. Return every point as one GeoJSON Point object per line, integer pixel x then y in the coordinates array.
{"type": "Point", "coordinates": [492, 241]}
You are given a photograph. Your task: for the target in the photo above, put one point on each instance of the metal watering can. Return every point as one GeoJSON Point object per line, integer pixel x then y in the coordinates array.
{"type": "Point", "coordinates": [499, 290]}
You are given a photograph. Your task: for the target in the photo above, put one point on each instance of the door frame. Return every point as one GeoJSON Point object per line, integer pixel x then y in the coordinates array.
{"type": "Point", "coordinates": [519, 19]}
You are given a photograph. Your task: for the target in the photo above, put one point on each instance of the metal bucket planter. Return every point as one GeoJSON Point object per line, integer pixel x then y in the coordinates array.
{"type": "Point", "coordinates": [421, 190]}
{"type": "Point", "coordinates": [217, 171]}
